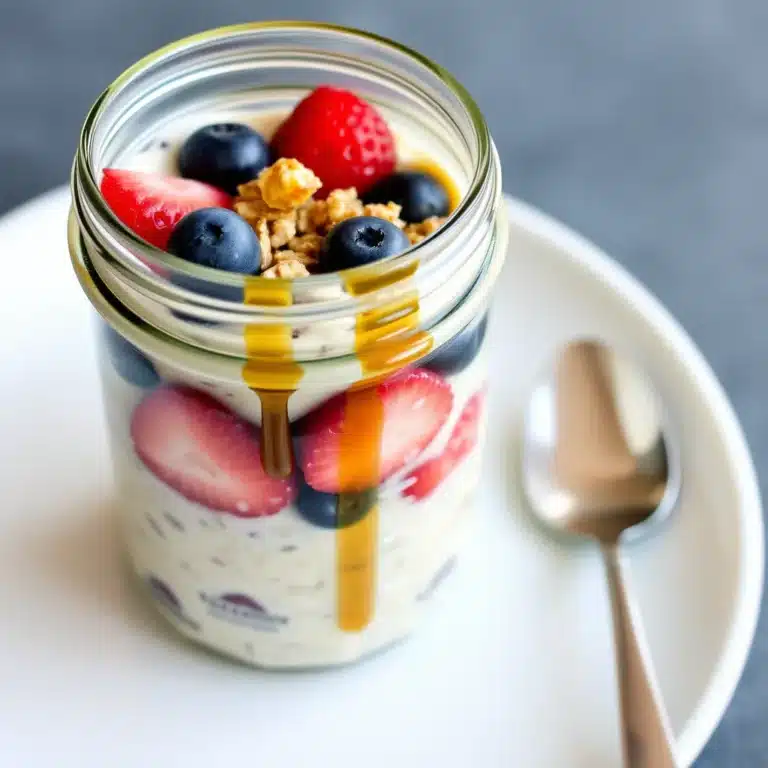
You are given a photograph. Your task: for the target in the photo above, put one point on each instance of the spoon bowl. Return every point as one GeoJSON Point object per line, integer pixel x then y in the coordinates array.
{"type": "Point", "coordinates": [597, 457]}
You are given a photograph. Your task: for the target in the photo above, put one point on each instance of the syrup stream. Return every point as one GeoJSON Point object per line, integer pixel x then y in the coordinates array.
{"type": "Point", "coordinates": [271, 374]}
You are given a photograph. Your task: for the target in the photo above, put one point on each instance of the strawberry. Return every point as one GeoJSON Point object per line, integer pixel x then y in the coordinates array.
{"type": "Point", "coordinates": [411, 408]}
{"type": "Point", "coordinates": [342, 138]}
{"type": "Point", "coordinates": [151, 204]}
{"type": "Point", "coordinates": [208, 454]}
{"type": "Point", "coordinates": [427, 476]}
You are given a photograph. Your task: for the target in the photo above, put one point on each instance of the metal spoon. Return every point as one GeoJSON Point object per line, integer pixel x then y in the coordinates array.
{"type": "Point", "coordinates": [596, 464]}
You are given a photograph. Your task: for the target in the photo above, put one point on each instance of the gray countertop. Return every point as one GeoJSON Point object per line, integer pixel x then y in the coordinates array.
{"type": "Point", "coordinates": [643, 125]}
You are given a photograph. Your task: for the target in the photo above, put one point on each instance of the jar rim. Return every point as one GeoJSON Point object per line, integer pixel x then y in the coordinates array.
{"type": "Point", "coordinates": [342, 371]}
{"type": "Point", "coordinates": [423, 254]}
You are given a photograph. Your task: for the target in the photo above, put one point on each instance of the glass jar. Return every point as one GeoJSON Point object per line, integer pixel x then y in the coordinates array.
{"type": "Point", "coordinates": [295, 460]}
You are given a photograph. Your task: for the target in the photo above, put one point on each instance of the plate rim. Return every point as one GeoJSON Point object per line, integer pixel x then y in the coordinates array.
{"type": "Point", "coordinates": [599, 266]}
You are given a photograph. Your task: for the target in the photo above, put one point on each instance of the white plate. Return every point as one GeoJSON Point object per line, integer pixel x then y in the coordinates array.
{"type": "Point", "coordinates": [514, 667]}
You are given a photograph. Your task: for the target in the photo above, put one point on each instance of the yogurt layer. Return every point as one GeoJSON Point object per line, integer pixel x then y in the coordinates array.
{"type": "Point", "coordinates": [282, 563]}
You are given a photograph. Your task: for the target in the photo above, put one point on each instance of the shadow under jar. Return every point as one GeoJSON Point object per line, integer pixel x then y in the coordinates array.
{"type": "Point", "coordinates": [295, 460]}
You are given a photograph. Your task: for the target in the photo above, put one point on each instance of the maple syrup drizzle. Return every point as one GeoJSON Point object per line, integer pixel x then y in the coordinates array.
{"type": "Point", "coordinates": [271, 373]}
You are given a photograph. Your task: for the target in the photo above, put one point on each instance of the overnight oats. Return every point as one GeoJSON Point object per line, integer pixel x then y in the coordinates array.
{"type": "Point", "coordinates": [292, 286]}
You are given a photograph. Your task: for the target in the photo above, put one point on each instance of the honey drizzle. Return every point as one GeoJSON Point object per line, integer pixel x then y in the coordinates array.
{"type": "Point", "coordinates": [271, 373]}
{"type": "Point", "coordinates": [385, 340]}
{"type": "Point", "coordinates": [359, 451]}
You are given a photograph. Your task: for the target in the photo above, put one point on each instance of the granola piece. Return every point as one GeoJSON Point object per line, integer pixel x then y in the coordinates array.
{"type": "Point", "coordinates": [307, 259]}
{"type": "Point", "coordinates": [311, 218]}
{"type": "Point", "coordinates": [423, 229]}
{"type": "Point", "coordinates": [304, 223]}
{"type": "Point", "coordinates": [251, 205]}
{"type": "Point", "coordinates": [287, 184]}
{"type": "Point", "coordinates": [282, 229]}
{"type": "Point", "coordinates": [287, 270]}
{"type": "Point", "coordinates": [262, 232]}
{"type": "Point", "coordinates": [389, 212]}
{"type": "Point", "coordinates": [319, 216]}
{"type": "Point", "coordinates": [309, 244]}
{"type": "Point", "coordinates": [342, 204]}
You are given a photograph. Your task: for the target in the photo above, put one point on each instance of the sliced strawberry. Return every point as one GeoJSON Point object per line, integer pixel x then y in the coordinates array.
{"type": "Point", "coordinates": [342, 138]}
{"type": "Point", "coordinates": [151, 204]}
{"type": "Point", "coordinates": [207, 453]}
{"type": "Point", "coordinates": [404, 416]}
{"type": "Point", "coordinates": [427, 476]}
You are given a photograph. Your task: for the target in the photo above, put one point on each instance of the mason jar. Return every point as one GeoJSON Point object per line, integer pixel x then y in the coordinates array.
{"type": "Point", "coordinates": [295, 460]}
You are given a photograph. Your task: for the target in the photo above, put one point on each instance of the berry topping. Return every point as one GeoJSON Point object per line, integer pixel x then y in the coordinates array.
{"type": "Point", "coordinates": [416, 404]}
{"type": "Point", "coordinates": [151, 204]}
{"type": "Point", "coordinates": [427, 476]}
{"type": "Point", "coordinates": [224, 155]}
{"type": "Point", "coordinates": [206, 453]}
{"type": "Point", "coordinates": [362, 240]}
{"type": "Point", "coordinates": [328, 510]}
{"type": "Point", "coordinates": [129, 362]}
{"type": "Point", "coordinates": [219, 238]}
{"type": "Point", "coordinates": [457, 353]}
{"type": "Point", "coordinates": [342, 138]}
{"type": "Point", "coordinates": [420, 195]}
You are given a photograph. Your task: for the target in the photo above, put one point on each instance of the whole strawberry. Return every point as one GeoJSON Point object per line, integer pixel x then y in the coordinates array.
{"type": "Point", "coordinates": [342, 138]}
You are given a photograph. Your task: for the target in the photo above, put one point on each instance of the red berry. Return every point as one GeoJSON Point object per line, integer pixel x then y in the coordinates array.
{"type": "Point", "coordinates": [415, 406]}
{"type": "Point", "coordinates": [342, 138]}
{"type": "Point", "coordinates": [427, 476]}
{"type": "Point", "coordinates": [206, 452]}
{"type": "Point", "coordinates": [151, 204]}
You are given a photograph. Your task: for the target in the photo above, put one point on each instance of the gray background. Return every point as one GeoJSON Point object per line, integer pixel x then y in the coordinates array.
{"type": "Point", "coordinates": [644, 125]}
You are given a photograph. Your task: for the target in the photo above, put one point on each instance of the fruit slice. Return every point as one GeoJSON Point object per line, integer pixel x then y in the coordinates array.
{"type": "Point", "coordinates": [427, 476]}
{"type": "Point", "coordinates": [342, 138]}
{"type": "Point", "coordinates": [151, 204]}
{"type": "Point", "coordinates": [206, 453]}
{"type": "Point", "coordinates": [416, 405]}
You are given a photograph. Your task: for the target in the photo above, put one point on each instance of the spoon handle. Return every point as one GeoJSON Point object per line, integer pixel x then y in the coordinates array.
{"type": "Point", "coordinates": [647, 738]}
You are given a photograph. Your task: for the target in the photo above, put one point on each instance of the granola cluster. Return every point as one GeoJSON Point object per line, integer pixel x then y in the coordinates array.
{"type": "Point", "coordinates": [291, 225]}
{"type": "Point", "coordinates": [418, 232]}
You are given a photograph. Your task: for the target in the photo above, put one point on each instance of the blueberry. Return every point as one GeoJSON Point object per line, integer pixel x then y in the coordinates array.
{"type": "Point", "coordinates": [219, 238]}
{"type": "Point", "coordinates": [129, 362]}
{"type": "Point", "coordinates": [457, 353]}
{"type": "Point", "coordinates": [420, 195]}
{"type": "Point", "coordinates": [329, 510]}
{"type": "Point", "coordinates": [224, 155]}
{"type": "Point", "coordinates": [362, 240]}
